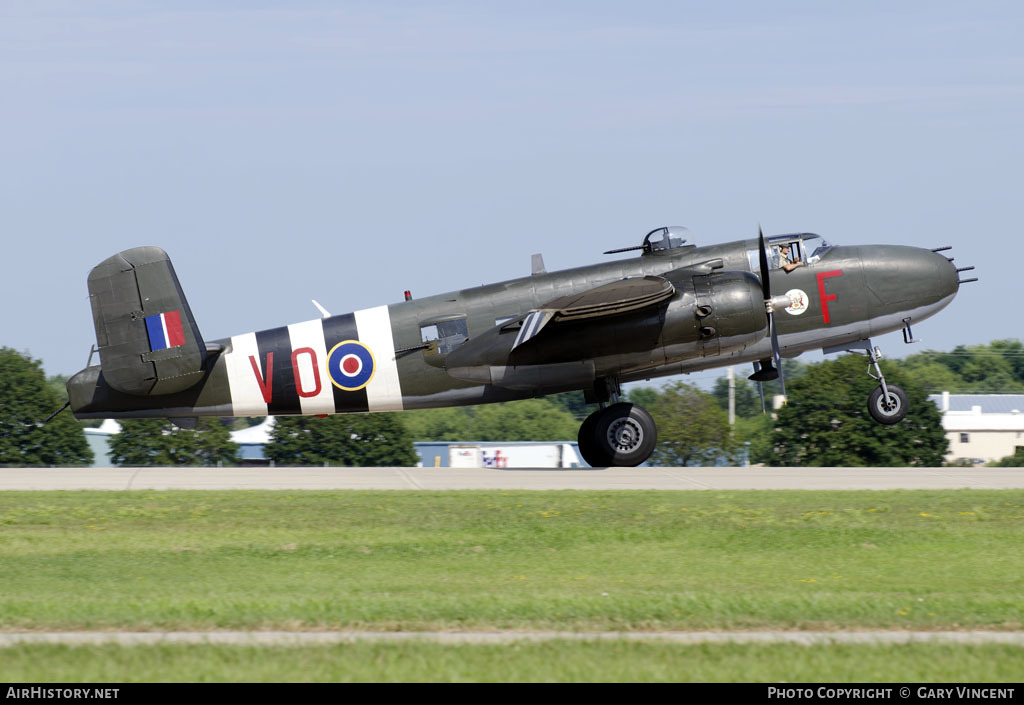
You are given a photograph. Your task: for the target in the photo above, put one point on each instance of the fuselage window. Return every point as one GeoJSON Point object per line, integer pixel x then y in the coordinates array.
{"type": "Point", "coordinates": [787, 253]}
{"type": "Point", "coordinates": [776, 258]}
{"type": "Point", "coordinates": [448, 334]}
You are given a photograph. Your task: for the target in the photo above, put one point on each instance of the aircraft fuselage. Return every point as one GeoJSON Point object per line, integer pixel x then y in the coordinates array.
{"type": "Point", "coordinates": [378, 360]}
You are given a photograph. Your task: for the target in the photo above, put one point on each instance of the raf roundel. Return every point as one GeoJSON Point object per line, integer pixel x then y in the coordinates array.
{"type": "Point", "coordinates": [350, 365]}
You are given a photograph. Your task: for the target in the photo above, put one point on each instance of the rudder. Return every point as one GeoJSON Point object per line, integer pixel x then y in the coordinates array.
{"type": "Point", "coordinates": [148, 341]}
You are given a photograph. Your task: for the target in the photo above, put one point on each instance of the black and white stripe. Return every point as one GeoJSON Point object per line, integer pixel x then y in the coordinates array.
{"type": "Point", "coordinates": [532, 325]}
{"type": "Point", "coordinates": [250, 388]}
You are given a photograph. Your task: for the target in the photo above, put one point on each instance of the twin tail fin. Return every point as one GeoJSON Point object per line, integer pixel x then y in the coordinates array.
{"type": "Point", "coordinates": [148, 341]}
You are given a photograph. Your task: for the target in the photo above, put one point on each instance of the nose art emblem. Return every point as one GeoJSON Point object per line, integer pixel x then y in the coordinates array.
{"type": "Point", "coordinates": [799, 302]}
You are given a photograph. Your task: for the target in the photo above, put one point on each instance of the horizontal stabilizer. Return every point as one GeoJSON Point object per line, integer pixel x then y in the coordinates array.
{"type": "Point", "coordinates": [147, 338]}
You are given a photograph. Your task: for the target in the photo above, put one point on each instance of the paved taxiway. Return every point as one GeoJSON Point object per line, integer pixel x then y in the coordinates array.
{"type": "Point", "coordinates": [518, 479]}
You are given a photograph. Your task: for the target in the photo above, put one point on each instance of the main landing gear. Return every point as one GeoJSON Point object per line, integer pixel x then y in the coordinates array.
{"type": "Point", "coordinates": [622, 434]}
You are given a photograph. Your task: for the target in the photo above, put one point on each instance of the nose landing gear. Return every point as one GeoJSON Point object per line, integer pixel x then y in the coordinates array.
{"type": "Point", "coordinates": [887, 403]}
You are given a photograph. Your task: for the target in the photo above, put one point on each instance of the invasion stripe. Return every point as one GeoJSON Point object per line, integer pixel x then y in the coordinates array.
{"type": "Point", "coordinates": [309, 362]}
{"type": "Point", "coordinates": [337, 329]}
{"type": "Point", "coordinates": [384, 392]}
{"type": "Point", "coordinates": [246, 395]}
{"type": "Point", "coordinates": [531, 326]}
{"type": "Point", "coordinates": [285, 397]}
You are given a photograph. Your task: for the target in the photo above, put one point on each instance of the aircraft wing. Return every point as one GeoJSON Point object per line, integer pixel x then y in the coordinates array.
{"type": "Point", "coordinates": [517, 355]}
{"type": "Point", "coordinates": [607, 300]}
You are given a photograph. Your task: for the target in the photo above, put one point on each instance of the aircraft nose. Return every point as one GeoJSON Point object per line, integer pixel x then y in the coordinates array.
{"type": "Point", "coordinates": [942, 273]}
{"type": "Point", "coordinates": [900, 274]}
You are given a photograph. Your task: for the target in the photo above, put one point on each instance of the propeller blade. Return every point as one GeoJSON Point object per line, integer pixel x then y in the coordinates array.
{"type": "Point", "coordinates": [775, 353]}
{"type": "Point", "coordinates": [763, 259]}
{"type": "Point", "coordinates": [760, 385]}
{"type": "Point", "coordinates": [764, 372]}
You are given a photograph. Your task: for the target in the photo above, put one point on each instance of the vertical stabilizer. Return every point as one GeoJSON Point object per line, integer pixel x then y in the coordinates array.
{"type": "Point", "coordinates": [148, 341]}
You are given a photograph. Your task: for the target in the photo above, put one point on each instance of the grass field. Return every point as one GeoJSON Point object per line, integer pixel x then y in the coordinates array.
{"type": "Point", "coordinates": [557, 661]}
{"type": "Point", "coordinates": [513, 560]}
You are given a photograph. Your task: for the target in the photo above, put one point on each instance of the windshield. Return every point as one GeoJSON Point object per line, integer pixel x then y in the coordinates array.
{"type": "Point", "coordinates": [823, 246]}
{"type": "Point", "coordinates": [785, 251]}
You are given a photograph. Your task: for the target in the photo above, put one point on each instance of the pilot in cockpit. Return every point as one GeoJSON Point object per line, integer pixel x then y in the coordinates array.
{"type": "Point", "coordinates": [786, 261]}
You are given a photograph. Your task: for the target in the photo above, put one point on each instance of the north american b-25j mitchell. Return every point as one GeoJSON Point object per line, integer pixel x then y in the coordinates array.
{"type": "Point", "coordinates": [676, 308]}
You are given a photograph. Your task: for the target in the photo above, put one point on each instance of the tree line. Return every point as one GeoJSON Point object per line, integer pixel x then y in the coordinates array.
{"type": "Point", "coordinates": [825, 422]}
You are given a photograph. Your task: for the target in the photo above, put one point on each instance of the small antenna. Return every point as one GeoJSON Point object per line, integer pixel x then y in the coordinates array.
{"type": "Point", "coordinates": [323, 311]}
{"type": "Point", "coordinates": [48, 418]}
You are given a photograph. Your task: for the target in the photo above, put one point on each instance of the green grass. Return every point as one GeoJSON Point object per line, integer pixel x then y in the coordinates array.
{"type": "Point", "coordinates": [511, 560]}
{"type": "Point", "coordinates": [556, 661]}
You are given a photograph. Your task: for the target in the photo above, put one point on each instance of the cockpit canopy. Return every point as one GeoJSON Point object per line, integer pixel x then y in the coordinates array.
{"type": "Point", "coordinates": [669, 238]}
{"type": "Point", "coordinates": [797, 246]}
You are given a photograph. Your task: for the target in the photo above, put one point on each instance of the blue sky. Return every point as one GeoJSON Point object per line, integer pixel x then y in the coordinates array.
{"type": "Point", "coordinates": [348, 151]}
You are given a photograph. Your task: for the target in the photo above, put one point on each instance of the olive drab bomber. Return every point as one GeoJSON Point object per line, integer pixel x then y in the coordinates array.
{"type": "Point", "coordinates": [676, 308]}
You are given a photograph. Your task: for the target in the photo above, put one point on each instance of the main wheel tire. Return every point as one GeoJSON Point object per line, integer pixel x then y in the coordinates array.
{"type": "Point", "coordinates": [888, 410]}
{"type": "Point", "coordinates": [625, 435]}
{"type": "Point", "coordinates": [588, 442]}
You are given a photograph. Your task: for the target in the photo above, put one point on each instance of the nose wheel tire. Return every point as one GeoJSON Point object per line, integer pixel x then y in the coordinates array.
{"type": "Point", "coordinates": [888, 409]}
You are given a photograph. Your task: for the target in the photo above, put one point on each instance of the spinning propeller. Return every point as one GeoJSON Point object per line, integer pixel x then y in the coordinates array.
{"type": "Point", "coordinates": [763, 370]}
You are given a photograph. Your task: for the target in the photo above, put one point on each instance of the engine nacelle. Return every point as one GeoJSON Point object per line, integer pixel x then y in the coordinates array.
{"type": "Point", "coordinates": [709, 315]}
{"type": "Point", "coordinates": [719, 313]}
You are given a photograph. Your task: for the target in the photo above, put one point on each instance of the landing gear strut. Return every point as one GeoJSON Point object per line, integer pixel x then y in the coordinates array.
{"type": "Point", "coordinates": [887, 403]}
{"type": "Point", "coordinates": [622, 435]}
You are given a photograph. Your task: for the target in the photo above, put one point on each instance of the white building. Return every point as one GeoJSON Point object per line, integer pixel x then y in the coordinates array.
{"type": "Point", "coordinates": [444, 454]}
{"type": "Point", "coordinates": [981, 427]}
{"type": "Point", "coordinates": [250, 440]}
{"type": "Point", "coordinates": [99, 439]}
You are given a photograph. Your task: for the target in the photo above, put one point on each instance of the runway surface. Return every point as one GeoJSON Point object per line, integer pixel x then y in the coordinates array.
{"type": "Point", "coordinates": [519, 479]}
{"type": "Point", "coordinates": [320, 638]}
